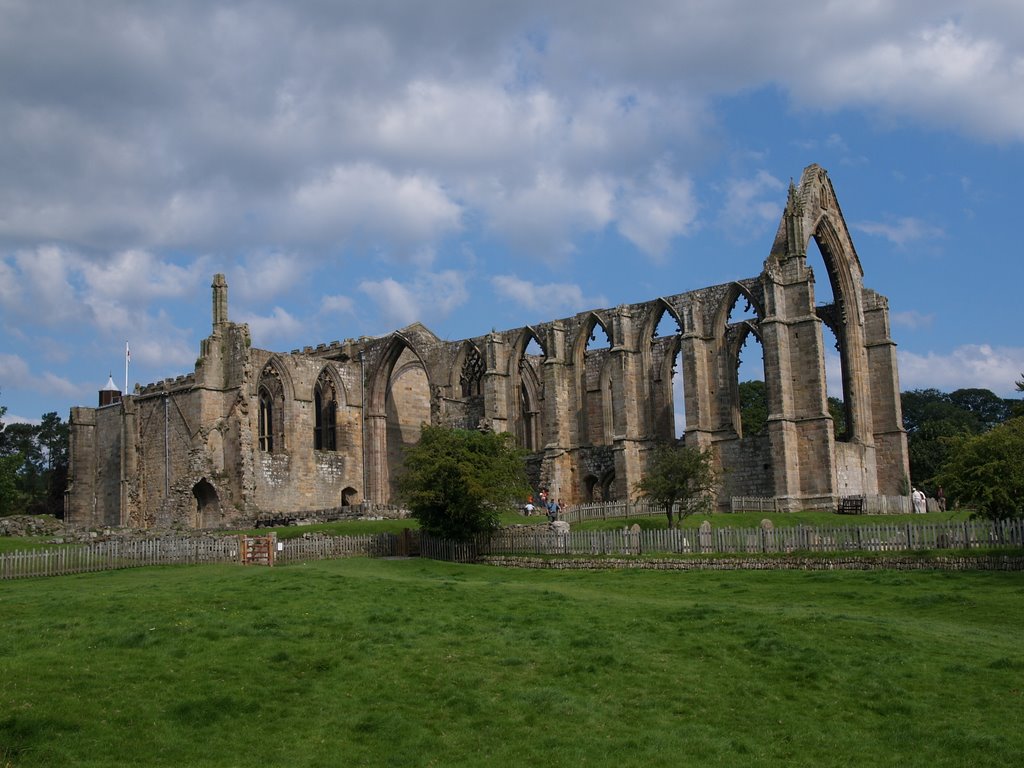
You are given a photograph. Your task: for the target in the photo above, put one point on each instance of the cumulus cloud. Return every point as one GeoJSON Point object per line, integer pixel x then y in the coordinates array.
{"type": "Point", "coordinates": [264, 276]}
{"type": "Point", "coordinates": [16, 373]}
{"type": "Point", "coordinates": [970, 365]}
{"type": "Point", "coordinates": [663, 208]}
{"type": "Point", "coordinates": [542, 217]}
{"type": "Point", "coordinates": [556, 299]}
{"type": "Point", "coordinates": [268, 330]}
{"type": "Point", "coordinates": [901, 232]}
{"type": "Point", "coordinates": [337, 305]}
{"type": "Point", "coordinates": [912, 319]}
{"type": "Point", "coordinates": [752, 205]}
{"type": "Point", "coordinates": [428, 296]}
{"type": "Point", "coordinates": [367, 202]}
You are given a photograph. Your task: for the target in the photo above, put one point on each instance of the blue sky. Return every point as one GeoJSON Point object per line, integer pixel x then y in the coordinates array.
{"type": "Point", "coordinates": [356, 166]}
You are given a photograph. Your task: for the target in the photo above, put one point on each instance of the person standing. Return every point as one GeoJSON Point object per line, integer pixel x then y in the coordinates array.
{"type": "Point", "coordinates": [918, 500]}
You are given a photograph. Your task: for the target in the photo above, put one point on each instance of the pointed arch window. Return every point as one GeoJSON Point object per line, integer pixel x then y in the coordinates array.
{"type": "Point", "coordinates": [270, 422]}
{"type": "Point", "coordinates": [472, 376]}
{"type": "Point", "coordinates": [325, 406]}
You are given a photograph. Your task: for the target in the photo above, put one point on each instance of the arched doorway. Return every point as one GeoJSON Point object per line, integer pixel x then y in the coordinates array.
{"type": "Point", "coordinates": [207, 511]}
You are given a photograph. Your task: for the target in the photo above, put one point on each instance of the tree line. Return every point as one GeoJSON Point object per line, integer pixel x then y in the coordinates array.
{"type": "Point", "coordinates": [969, 442]}
{"type": "Point", "coordinates": [33, 466]}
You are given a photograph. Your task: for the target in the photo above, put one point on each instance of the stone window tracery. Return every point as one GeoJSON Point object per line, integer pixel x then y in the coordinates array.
{"type": "Point", "coordinates": [270, 394]}
{"type": "Point", "coordinates": [472, 376]}
{"type": "Point", "coordinates": [325, 414]}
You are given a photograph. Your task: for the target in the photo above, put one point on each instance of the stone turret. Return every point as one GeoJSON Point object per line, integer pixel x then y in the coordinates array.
{"type": "Point", "coordinates": [110, 394]}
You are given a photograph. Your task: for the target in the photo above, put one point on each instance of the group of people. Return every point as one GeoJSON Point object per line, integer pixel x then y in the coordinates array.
{"type": "Point", "coordinates": [544, 505]}
{"type": "Point", "coordinates": [920, 501]}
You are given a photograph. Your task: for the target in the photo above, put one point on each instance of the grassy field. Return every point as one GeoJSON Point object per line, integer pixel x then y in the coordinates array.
{"type": "Point", "coordinates": [779, 520]}
{"type": "Point", "coordinates": [737, 520]}
{"type": "Point", "coordinates": [409, 662]}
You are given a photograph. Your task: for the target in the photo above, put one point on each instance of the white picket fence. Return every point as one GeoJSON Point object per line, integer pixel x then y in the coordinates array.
{"type": "Point", "coordinates": [118, 553]}
{"type": "Point", "coordinates": [725, 540]}
{"type": "Point", "coordinates": [134, 553]}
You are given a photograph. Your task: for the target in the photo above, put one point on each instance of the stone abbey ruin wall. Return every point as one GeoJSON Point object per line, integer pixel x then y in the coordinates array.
{"type": "Point", "coordinates": [252, 432]}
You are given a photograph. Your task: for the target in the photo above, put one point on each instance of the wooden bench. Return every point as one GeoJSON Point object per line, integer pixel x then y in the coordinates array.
{"type": "Point", "coordinates": [851, 505]}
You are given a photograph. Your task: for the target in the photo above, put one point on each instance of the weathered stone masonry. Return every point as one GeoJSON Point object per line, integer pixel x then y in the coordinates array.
{"type": "Point", "coordinates": [252, 432]}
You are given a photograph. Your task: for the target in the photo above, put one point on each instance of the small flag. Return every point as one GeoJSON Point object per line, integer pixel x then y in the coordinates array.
{"type": "Point", "coordinates": [127, 352]}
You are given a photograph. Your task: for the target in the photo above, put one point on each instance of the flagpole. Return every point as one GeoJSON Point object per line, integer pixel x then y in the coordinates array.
{"type": "Point", "coordinates": [127, 359]}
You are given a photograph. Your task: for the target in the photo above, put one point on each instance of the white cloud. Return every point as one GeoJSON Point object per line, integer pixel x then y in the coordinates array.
{"type": "Point", "coordinates": [342, 305]}
{"type": "Point", "coordinates": [902, 232]}
{"type": "Point", "coordinates": [264, 276]}
{"type": "Point", "coordinates": [363, 201]}
{"type": "Point", "coordinates": [663, 208]}
{"type": "Point", "coordinates": [429, 296]}
{"type": "Point", "coordinates": [543, 216]}
{"type": "Point", "coordinates": [752, 205]}
{"type": "Point", "coordinates": [279, 325]}
{"type": "Point", "coordinates": [912, 319]}
{"type": "Point", "coordinates": [45, 294]}
{"type": "Point", "coordinates": [556, 299]}
{"type": "Point", "coordinates": [943, 72]}
{"type": "Point", "coordinates": [135, 277]}
{"type": "Point", "coordinates": [16, 374]}
{"type": "Point", "coordinates": [968, 366]}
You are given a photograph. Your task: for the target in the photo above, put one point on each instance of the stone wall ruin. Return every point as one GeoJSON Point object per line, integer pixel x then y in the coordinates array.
{"type": "Point", "coordinates": [252, 432]}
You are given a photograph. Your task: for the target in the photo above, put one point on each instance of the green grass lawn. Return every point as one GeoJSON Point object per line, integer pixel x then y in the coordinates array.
{"type": "Point", "coordinates": [779, 520]}
{"type": "Point", "coordinates": [21, 543]}
{"type": "Point", "coordinates": [410, 662]}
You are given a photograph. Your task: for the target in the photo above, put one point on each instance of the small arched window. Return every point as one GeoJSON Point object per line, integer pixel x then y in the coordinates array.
{"type": "Point", "coordinates": [472, 373]}
{"type": "Point", "coordinates": [266, 429]}
{"type": "Point", "coordinates": [325, 405]}
{"type": "Point", "coordinates": [270, 421]}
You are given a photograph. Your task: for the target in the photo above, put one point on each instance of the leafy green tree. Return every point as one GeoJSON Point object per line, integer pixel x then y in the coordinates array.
{"type": "Point", "coordinates": [935, 421]}
{"type": "Point", "coordinates": [456, 481]}
{"type": "Point", "coordinates": [987, 471]}
{"type": "Point", "coordinates": [753, 407]}
{"type": "Point", "coordinates": [678, 474]}
{"type": "Point", "coordinates": [11, 499]}
{"type": "Point", "coordinates": [33, 466]}
{"type": "Point", "coordinates": [837, 410]}
{"type": "Point", "coordinates": [985, 405]}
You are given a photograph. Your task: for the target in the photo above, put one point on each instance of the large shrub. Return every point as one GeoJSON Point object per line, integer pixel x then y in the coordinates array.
{"type": "Point", "coordinates": [457, 481]}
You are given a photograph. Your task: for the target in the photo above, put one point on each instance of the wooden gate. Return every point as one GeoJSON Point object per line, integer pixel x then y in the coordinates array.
{"type": "Point", "coordinates": [408, 544]}
{"type": "Point", "coordinates": [257, 550]}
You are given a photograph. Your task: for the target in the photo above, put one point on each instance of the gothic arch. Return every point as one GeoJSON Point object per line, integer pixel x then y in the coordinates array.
{"type": "Point", "coordinates": [734, 291]}
{"type": "Point", "coordinates": [586, 330]}
{"type": "Point", "coordinates": [657, 311]}
{"type": "Point", "coordinates": [526, 412]}
{"type": "Point", "coordinates": [845, 318]}
{"type": "Point", "coordinates": [328, 398]}
{"type": "Point", "coordinates": [273, 391]}
{"type": "Point", "coordinates": [736, 337]}
{"type": "Point", "coordinates": [658, 356]}
{"type": "Point", "coordinates": [730, 338]}
{"type": "Point", "coordinates": [467, 376]}
{"type": "Point", "coordinates": [593, 383]}
{"type": "Point", "coordinates": [398, 404]}
{"type": "Point", "coordinates": [208, 512]}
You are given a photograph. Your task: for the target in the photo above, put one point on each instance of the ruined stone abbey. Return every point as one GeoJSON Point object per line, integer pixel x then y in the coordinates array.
{"type": "Point", "coordinates": [252, 432]}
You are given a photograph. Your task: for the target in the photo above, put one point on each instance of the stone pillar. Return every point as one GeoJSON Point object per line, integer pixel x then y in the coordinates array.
{"type": "Point", "coordinates": [799, 428]}
{"type": "Point", "coordinates": [890, 437]}
{"type": "Point", "coordinates": [375, 454]}
{"type": "Point", "coordinates": [220, 300]}
{"type": "Point", "coordinates": [496, 383]}
{"type": "Point", "coordinates": [80, 504]}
